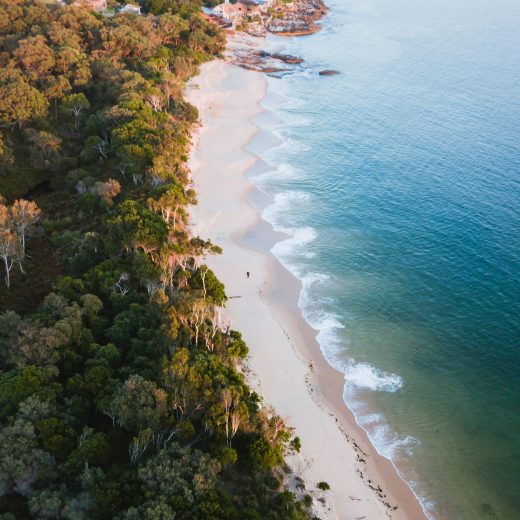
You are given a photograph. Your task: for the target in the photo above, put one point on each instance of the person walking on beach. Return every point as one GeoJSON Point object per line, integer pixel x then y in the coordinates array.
{"type": "Point", "coordinates": [247, 273]}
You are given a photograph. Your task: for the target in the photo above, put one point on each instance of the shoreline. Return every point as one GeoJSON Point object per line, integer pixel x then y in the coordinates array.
{"type": "Point", "coordinates": [265, 309]}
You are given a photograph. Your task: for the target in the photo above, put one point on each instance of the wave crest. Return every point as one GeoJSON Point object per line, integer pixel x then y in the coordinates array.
{"type": "Point", "coordinates": [366, 377]}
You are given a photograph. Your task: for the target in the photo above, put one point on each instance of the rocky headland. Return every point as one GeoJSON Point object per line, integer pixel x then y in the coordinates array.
{"type": "Point", "coordinates": [296, 18]}
{"type": "Point", "coordinates": [282, 18]}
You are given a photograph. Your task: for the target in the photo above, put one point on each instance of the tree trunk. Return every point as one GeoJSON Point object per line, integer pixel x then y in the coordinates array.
{"type": "Point", "coordinates": [8, 267]}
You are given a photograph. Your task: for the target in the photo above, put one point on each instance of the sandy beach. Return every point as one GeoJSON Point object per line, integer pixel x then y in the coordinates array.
{"type": "Point", "coordinates": [285, 365]}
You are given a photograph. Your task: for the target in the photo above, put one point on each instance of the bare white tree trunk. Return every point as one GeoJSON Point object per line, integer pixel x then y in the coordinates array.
{"type": "Point", "coordinates": [8, 263]}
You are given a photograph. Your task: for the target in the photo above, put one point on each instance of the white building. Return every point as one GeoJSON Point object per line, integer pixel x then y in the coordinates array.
{"type": "Point", "coordinates": [131, 9]}
{"type": "Point", "coordinates": [232, 12]}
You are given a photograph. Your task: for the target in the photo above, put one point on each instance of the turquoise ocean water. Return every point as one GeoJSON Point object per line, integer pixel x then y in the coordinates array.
{"type": "Point", "coordinates": [398, 182]}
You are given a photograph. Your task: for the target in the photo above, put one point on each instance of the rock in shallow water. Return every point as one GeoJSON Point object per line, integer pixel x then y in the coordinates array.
{"type": "Point", "coordinates": [328, 72]}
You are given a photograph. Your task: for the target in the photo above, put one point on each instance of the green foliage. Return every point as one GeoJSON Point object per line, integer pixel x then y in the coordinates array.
{"type": "Point", "coordinates": [93, 449]}
{"type": "Point", "coordinates": [16, 386]}
{"type": "Point", "coordinates": [265, 455]}
{"type": "Point", "coordinates": [237, 346]}
{"type": "Point", "coordinates": [133, 226]}
{"type": "Point", "coordinates": [20, 102]}
{"type": "Point", "coordinates": [296, 444]}
{"type": "Point", "coordinates": [24, 465]}
{"type": "Point", "coordinates": [227, 456]}
{"type": "Point", "coordinates": [56, 437]}
{"type": "Point", "coordinates": [204, 279]}
{"type": "Point", "coordinates": [324, 486]}
{"type": "Point", "coordinates": [74, 107]}
{"type": "Point", "coordinates": [179, 476]}
{"type": "Point", "coordinates": [119, 390]}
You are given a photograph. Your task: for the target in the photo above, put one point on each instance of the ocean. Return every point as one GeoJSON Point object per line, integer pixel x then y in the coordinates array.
{"type": "Point", "coordinates": [398, 184]}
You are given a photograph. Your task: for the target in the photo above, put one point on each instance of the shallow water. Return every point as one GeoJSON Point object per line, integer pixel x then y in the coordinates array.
{"type": "Point", "coordinates": [399, 183]}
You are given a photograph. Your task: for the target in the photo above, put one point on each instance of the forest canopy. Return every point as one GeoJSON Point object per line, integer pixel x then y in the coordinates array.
{"type": "Point", "coordinates": [121, 389]}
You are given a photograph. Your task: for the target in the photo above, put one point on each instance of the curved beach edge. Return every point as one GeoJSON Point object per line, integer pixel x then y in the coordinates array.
{"type": "Point", "coordinates": [286, 365]}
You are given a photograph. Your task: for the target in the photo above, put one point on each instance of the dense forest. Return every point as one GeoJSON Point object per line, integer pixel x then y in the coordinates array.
{"type": "Point", "coordinates": [121, 390]}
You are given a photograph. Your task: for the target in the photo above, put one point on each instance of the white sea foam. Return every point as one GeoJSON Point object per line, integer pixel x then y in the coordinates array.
{"type": "Point", "coordinates": [327, 325]}
{"type": "Point", "coordinates": [312, 280]}
{"type": "Point", "coordinates": [392, 446]}
{"type": "Point", "coordinates": [284, 201]}
{"type": "Point", "coordinates": [292, 250]}
{"type": "Point", "coordinates": [295, 119]}
{"type": "Point", "coordinates": [300, 237]}
{"type": "Point", "coordinates": [357, 375]}
{"type": "Point", "coordinates": [283, 171]}
{"type": "Point", "coordinates": [285, 250]}
{"type": "Point", "coordinates": [388, 443]}
{"type": "Point", "coordinates": [292, 103]}
{"type": "Point", "coordinates": [288, 145]}
{"type": "Point", "coordinates": [315, 300]}
{"type": "Point", "coordinates": [367, 377]}
{"type": "Point", "coordinates": [290, 114]}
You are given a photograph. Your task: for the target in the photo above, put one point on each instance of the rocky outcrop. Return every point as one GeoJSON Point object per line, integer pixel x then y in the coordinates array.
{"type": "Point", "coordinates": [296, 18]}
{"type": "Point", "coordinates": [287, 58]}
{"type": "Point", "coordinates": [283, 18]}
{"type": "Point", "coordinates": [264, 61]}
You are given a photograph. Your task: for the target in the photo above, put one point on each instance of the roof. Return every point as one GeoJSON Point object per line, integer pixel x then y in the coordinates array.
{"type": "Point", "coordinates": [248, 5]}
{"type": "Point", "coordinates": [94, 4]}
{"type": "Point", "coordinates": [230, 9]}
{"type": "Point", "coordinates": [131, 8]}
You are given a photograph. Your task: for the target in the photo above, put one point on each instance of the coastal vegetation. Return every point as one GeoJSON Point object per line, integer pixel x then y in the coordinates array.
{"type": "Point", "coordinates": [121, 390]}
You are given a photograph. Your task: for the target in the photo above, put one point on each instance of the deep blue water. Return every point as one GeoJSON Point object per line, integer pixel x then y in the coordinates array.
{"type": "Point", "coordinates": [399, 182]}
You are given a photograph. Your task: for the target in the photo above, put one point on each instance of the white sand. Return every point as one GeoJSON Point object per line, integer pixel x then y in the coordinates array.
{"type": "Point", "coordinates": [264, 308]}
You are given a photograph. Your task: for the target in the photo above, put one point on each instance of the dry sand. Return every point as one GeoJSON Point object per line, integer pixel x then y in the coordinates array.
{"type": "Point", "coordinates": [264, 308]}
